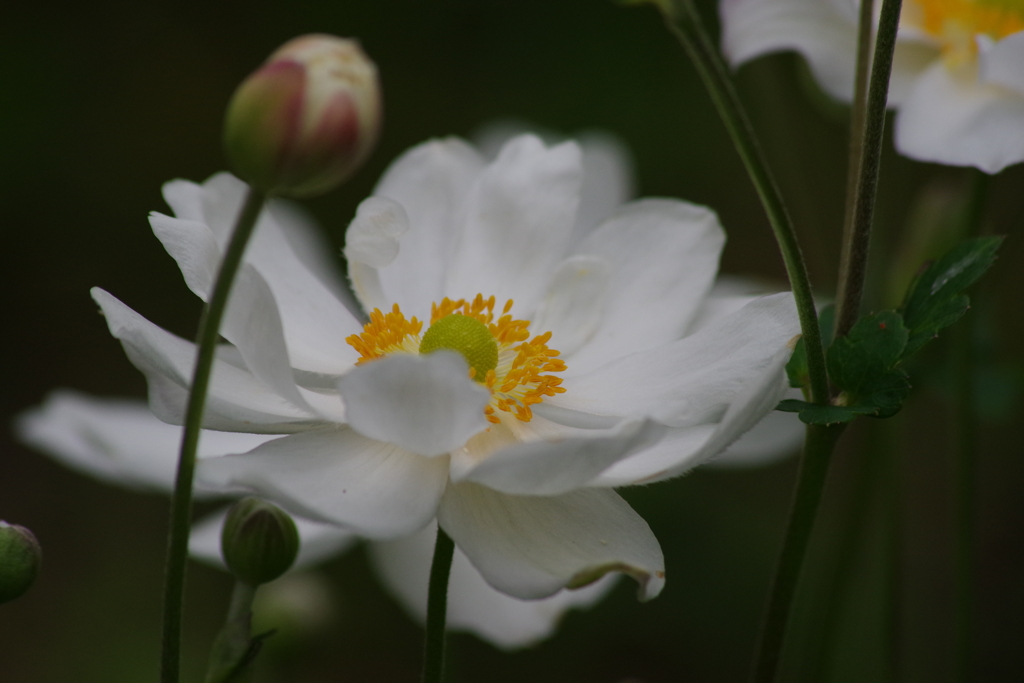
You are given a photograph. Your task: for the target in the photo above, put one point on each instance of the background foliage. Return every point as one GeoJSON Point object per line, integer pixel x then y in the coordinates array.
{"type": "Point", "coordinates": [104, 101]}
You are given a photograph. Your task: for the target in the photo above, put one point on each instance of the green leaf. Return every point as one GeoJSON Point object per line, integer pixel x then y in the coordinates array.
{"type": "Point", "coordinates": [935, 300]}
{"type": "Point", "coordinates": [886, 394]}
{"type": "Point", "coordinates": [858, 361]}
{"type": "Point", "coordinates": [811, 413]}
{"type": "Point", "coordinates": [796, 368]}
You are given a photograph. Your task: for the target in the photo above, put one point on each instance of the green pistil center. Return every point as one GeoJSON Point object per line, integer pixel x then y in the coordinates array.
{"type": "Point", "coordinates": [466, 335]}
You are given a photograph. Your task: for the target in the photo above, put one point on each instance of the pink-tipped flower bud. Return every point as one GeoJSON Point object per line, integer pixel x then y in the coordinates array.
{"type": "Point", "coordinates": [307, 119]}
{"type": "Point", "coordinates": [20, 557]}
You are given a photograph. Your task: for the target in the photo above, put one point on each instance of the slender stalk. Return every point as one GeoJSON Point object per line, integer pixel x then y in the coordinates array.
{"type": "Point", "coordinates": [818, 446]}
{"type": "Point", "coordinates": [437, 608]}
{"type": "Point", "coordinates": [683, 20]}
{"type": "Point", "coordinates": [855, 248]}
{"type": "Point", "coordinates": [181, 503]}
{"type": "Point", "coordinates": [865, 32]}
{"type": "Point", "coordinates": [233, 650]}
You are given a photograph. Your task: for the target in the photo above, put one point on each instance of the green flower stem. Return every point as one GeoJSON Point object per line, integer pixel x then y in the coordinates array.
{"type": "Point", "coordinates": [684, 21]}
{"type": "Point", "coordinates": [181, 503]}
{"type": "Point", "coordinates": [232, 650]}
{"type": "Point", "coordinates": [437, 608]}
{"type": "Point", "coordinates": [853, 266]}
{"type": "Point", "coordinates": [818, 446]}
{"type": "Point", "coordinates": [865, 31]}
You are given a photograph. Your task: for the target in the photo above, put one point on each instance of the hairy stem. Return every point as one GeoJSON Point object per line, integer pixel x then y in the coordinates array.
{"type": "Point", "coordinates": [857, 239]}
{"type": "Point", "coordinates": [181, 503]}
{"type": "Point", "coordinates": [818, 446]}
{"type": "Point", "coordinates": [683, 20]}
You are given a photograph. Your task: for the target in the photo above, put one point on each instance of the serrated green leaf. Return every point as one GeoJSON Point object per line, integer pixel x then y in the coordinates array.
{"type": "Point", "coordinates": [796, 368]}
{"type": "Point", "coordinates": [859, 360]}
{"type": "Point", "coordinates": [886, 393]}
{"type": "Point", "coordinates": [943, 315]}
{"type": "Point", "coordinates": [935, 299]}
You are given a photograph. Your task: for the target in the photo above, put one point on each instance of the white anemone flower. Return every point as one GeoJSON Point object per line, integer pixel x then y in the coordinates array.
{"type": "Point", "coordinates": [452, 403]}
{"type": "Point", "coordinates": [957, 81]}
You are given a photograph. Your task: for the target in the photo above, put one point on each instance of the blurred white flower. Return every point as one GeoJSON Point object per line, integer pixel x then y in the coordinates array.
{"type": "Point", "coordinates": [512, 446]}
{"type": "Point", "coordinates": [957, 81]}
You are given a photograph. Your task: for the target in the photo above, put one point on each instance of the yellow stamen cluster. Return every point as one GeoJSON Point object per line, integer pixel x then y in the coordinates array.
{"type": "Point", "coordinates": [956, 22]}
{"type": "Point", "coordinates": [519, 380]}
{"type": "Point", "coordinates": [386, 333]}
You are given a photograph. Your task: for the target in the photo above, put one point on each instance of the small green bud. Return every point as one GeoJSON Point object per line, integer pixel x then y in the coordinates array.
{"type": "Point", "coordinates": [259, 541]}
{"type": "Point", "coordinates": [468, 336]}
{"type": "Point", "coordinates": [307, 119]}
{"type": "Point", "coordinates": [20, 557]}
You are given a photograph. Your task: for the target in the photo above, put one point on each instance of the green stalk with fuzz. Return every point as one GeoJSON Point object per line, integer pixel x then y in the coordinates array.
{"type": "Point", "coordinates": [684, 22]}
{"type": "Point", "coordinates": [181, 503]}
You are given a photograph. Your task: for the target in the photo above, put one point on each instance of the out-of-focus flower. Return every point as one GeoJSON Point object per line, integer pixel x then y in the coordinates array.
{"type": "Point", "coordinates": [305, 120]}
{"type": "Point", "coordinates": [957, 80]}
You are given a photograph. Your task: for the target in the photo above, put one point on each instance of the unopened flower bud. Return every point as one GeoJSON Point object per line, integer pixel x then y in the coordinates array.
{"type": "Point", "coordinates": [306, 120]}
{"type": "Point", "coordinates": [259, 541]}
{"type": "Point", "coordinates": [20, 557]}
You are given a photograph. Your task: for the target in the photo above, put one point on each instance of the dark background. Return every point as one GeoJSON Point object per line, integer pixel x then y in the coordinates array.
{"type": "Point", "coordinates": [102, 102]}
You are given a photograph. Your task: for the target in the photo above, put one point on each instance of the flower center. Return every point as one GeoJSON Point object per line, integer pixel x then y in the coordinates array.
{"type": "Point", "coordinates": [500, 353]}
{"type": "Point", "coordinates": [956, 22]}
{"type": "Point", "coordinates": [468, 336]}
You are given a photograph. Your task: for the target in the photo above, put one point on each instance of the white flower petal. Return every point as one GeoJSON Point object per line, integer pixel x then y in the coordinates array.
{"type": "Point", "coordinates": [430, 181]}
{"type": "Point", "coordinates": [552, 467]}
{"type": "Point", "coordinates": [425, 404]}
{"type": "Point", "coordinates": [533, 546]}
{"type": "Point", "coordinates": [912, 57]}
{"type": "Point", "coordinates": [236, 401]}
{"type": "Point", "coordinates": [315, 320]}
{"type": "Point", "coordinates": [118, 441]}
{"type": "Point", "coordinates": [319, 541]}
{"type": "Point", "coordinates": [825, 33]}
{"type": "Point", "coordinates": [775, 437]}
{"type": "Point", "coordinates": [663, 256]}
{"type": "Point", "coordinates": [336, 475]}
{"type": "Point", "coordinates": [999, 62]}
{"type": "Point", "coordinates": [678, 452]}
{"type": "Point", "coordinates": [251, 320]}
{"type": "Point", "coordinates": [955, 120]}
{"type": "Point", "coordinates": [404, 567]}
{"type": "Point", "coordinates": [371, 242]}
{"type": "Point", "coordinates": [517, 222]}
{"type": "Point", "coordinates": [372, 236]}
{"type": "Point", "coordinates": [607, 180]}
{"type": "Point", "coordinates": [575, 302]}
{"type": "Point", "coordinates": [695, 379]}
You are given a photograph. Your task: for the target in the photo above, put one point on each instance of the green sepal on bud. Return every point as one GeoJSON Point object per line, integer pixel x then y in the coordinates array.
{"type": "Point", "coordinates": [303, 122]}
{"type": "Point", "coordinates": [20, 558]}
{"type": "Point", "coordinates": [259, 541]}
